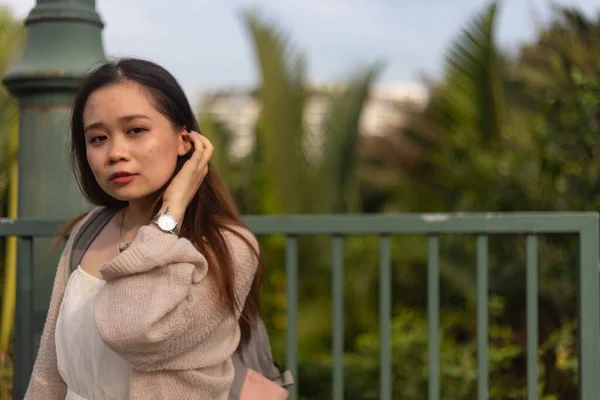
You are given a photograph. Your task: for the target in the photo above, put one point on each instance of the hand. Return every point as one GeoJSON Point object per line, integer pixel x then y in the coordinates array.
{"type": "Point", "coordinates": [185, 184]}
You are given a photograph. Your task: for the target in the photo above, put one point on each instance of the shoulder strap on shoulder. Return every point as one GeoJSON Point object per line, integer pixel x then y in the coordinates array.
{"type": "Point", "coordinates": [87, 233]}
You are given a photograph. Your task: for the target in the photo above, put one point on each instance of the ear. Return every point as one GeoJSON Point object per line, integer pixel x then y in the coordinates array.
{"type": "Point", "coordinates": [185, 144]}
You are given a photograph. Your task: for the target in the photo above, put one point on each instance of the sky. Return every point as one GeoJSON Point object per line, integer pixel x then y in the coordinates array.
{"type": "Point", "coordinates": [204, 43]}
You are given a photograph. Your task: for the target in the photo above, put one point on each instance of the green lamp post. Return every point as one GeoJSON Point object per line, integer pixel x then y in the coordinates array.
{"type": "Point", "coordinates": [63, 43]}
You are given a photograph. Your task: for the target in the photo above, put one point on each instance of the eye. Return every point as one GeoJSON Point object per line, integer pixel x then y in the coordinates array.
{"type": "Point", "coordinates": [97, 139]}
{"type": "Point", "coordinates": [137, 131]}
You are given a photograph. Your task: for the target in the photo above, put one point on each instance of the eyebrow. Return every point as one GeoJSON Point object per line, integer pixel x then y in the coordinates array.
{"type": "Point", "coordinates": [125, 118]}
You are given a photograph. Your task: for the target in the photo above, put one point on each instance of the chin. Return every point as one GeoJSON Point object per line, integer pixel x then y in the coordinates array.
{"type": "Point", "coordinates": [131, 195]}
{"type": "Point", "coordinates": [136, 191]}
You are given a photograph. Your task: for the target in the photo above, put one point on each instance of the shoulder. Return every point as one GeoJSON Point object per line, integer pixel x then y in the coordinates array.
{"type": "Point", "coordinates": [242, 243]}
{"type": "Point", "coordinates": [238, 235]}
{"type": "Point", "coordinates": [86, 217]}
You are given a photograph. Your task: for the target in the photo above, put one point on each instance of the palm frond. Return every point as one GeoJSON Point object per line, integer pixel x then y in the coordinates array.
{"type": "Point", "coordinates": [281, 127]}
{"type": "Point", "coordinates": [337, 186]}
{"type": "Point", "coordinates": [474, 95]}
{"type": "Point", "coordinates": [12, 35]}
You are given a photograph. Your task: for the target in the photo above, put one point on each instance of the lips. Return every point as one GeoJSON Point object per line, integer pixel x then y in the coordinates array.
{"type": "Point", "coordinates": [121, 174]}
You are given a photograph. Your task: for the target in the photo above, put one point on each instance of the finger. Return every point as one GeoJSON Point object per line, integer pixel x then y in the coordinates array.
{"type": "Point", "coordinates": [198, 147]}
{"type": "Point", "coordinates": [205, 142]}
{"type": "Point", "coordinates": [208, 150]}
{"type": "Point", "coordinates": [199, 161]}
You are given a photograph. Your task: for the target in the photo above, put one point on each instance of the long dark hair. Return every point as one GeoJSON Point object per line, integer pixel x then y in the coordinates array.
{"type": "Point", "coordinates": [212, 209]}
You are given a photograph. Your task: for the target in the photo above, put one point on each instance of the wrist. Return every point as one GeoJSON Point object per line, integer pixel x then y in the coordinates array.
{"type": "Point", "coordinates": [176, 212]}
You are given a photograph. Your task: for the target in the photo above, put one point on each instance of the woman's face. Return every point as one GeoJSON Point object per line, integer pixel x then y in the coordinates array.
{"type": "Point", "coordinates": [131, 147]}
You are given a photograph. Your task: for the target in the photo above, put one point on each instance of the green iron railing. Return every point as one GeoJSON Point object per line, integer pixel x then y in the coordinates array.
{"type": "Point", "coordinates": [585, 225]}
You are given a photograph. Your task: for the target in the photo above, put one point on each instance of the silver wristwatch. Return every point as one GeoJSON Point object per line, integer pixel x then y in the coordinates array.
{"type": "Point", "coordinates": [166, 222]}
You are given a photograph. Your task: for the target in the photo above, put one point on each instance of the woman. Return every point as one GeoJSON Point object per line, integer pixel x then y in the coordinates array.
{"type": "Point", "coordinates": [170, 286]}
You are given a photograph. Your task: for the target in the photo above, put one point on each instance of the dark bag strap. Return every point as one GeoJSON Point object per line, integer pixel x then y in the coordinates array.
{"type": "Point", "coordinates": [90, 229]}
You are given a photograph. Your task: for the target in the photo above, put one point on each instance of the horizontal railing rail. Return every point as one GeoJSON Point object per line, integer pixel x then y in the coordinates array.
{"type": "Point", "coordinates": [432, 226]}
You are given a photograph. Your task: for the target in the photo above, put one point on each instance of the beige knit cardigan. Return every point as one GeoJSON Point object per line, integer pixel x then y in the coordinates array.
{"type": "Point", "coordinates": [160, 310]}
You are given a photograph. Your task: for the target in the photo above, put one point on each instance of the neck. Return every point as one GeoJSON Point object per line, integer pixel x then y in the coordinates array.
{"type": "Point", "coordinates": [139, 213]}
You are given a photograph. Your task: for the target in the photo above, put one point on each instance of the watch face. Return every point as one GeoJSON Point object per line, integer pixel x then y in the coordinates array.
{"type": "Point", "coordinates": [166, 222]}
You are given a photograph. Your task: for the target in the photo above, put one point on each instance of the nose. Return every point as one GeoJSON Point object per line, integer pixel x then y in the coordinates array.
{"type": "Point", "coordinates": [118, 150]}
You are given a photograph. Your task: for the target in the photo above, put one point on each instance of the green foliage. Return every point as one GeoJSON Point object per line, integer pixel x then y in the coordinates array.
{"type": "Point", "coordinates": [457, 361]}
{"type": "Point", "coordinates": [515, 135]}
{"type": "Point", "coordinates": [221, 138]}
{"type": "Point", "coordinates": [281, 127]}
{"type": "Point", "coordinates": [472, 97]}
{"type": "Point", "coordinates": [288, 171]}
{"type": "Point", "coordinates": [337, 180]}
{"type": "Point", "coordinates": [410, 360]}
{"type": "Point", "coordinates": [498, 134]}
{"type": "Point", "coordinates": [462, 129]}
{"type": "Point", "coordinates": [11, 41]}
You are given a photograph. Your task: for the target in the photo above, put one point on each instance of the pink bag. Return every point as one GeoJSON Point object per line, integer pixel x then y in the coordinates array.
{"type": "Point", "coordinates": [257, 387]}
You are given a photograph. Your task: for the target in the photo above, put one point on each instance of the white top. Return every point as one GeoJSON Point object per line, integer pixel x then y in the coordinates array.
{"type": "Point", "coordinates": [90, 369]}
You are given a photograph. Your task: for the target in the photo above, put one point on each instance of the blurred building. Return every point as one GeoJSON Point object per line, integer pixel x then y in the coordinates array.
{"type": "Point", "coordinates": [238, 110]}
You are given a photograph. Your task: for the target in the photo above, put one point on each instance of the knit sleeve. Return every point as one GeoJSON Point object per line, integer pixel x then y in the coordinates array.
{"type": "Point", "coordinates": [160, 303]}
